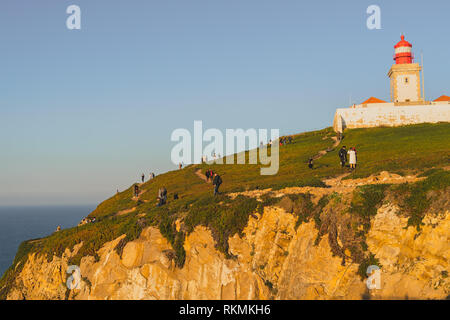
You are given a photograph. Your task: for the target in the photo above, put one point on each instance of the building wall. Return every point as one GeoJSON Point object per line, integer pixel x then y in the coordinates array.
{"type": "Point", "coordinates": [402, 91]}
{"type": "Point", "coordinates": [390, 116]}
{"type": "Point", "coordinates": [407, 91]}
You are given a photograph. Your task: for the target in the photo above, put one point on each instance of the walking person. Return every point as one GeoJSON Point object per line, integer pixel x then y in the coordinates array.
{"type": "Point", "coordinates": [143, 177]}
{"type": "Point", "coordinates": [136, 190]}
{"type": "Point", "coordinates": [207, 175]}
{"type": "Point", "coordinates": [217, 181]}
{"type": "Point", "coordinates": [343, 156]}
{"type": "Point", "coordinates": [352, 158]}
{"type": "Point", "coordinates": [310, 163]}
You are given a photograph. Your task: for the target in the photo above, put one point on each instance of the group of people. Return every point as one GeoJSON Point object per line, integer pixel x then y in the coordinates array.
{"type": "Point", "coordinates": [209, 174]}
{"type": "Point", "coordinates": [351, 153]}
{"type": "Point", "coordinates": [215, 179]}
{"type": "Point", "coordinates": [150, 176]}
{"type": "Point", "coordinates": [86, 220]}
{"type": "Point", "coordinates": [285, 140]}
{"type": "Point", "coordinates": [214, 157]}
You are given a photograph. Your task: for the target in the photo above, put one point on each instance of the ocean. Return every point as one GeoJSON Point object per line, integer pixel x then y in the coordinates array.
{"type": "Point", "coordinates": [23, 223]}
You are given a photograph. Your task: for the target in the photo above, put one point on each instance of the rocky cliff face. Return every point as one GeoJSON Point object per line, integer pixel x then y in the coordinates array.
{"type": "Point", "coordinates": [273, 260]}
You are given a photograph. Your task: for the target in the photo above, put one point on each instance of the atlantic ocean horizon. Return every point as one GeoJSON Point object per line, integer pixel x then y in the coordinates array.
{"type": "Point", "coordinates": [20, 223]}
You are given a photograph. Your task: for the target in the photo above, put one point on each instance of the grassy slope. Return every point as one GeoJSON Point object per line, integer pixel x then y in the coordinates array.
{"type": "Point", "coordinates": [402, 149]}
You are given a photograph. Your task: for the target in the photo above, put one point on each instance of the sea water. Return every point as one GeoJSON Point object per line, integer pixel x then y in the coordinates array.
{"type": "Point", "coordinates": [18, 224]}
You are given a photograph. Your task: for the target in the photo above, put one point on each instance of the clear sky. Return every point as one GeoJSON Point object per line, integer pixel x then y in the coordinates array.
{"type": "Point", "coordinates": [84, 112]}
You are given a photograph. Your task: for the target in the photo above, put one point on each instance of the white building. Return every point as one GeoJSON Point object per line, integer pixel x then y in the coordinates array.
{"type": "Point", "coordinates": [407, 105]}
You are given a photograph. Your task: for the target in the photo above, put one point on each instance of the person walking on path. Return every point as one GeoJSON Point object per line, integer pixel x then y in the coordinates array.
{"type": "Point", "coordinates": [136, 190]}
{"type": "Point", "coordinates": [143, 177]}
{"type": "Point", "coordinates": [343, 156]}
{"type": "Point", "coordinates": [217, 181]}
{"type": "Point", "coordinates": [352, 158]}
{"type": "Point", "coordinates": [207, 175]}
{"type": "Point", "coordinates": [310, 163]}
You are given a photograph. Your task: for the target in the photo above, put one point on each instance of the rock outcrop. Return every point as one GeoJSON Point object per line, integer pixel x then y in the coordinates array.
{"type": "Point", "coordinates": [273, 260]}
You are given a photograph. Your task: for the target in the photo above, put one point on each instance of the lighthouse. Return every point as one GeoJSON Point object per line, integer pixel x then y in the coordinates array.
{"type": "Point", "coordinates": [405, 76]}
{"type": "Point", "coordinates": [407, 105]}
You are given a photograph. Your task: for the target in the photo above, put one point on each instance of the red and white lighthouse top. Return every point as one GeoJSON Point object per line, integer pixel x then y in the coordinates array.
{"type": "Point", "coordinates": [403, 52]}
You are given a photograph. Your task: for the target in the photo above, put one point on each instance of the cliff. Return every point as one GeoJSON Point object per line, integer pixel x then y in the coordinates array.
{"type": "Point", "coordinates": [303, 234]}
{"type": "Point", "coordinates": [272, 260]}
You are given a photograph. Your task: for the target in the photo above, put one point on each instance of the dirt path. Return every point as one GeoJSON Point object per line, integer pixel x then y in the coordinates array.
{"type": "Point", "coordinates": [335, 184]}
{"type": "Point", "coordinates": [123, 212]}
{"type": "Point", "coordinates": [141, 192]}
{"type": "Point", "coordinates": [199, 174]}
{"type": "Point", "coordinates": [324, 152]}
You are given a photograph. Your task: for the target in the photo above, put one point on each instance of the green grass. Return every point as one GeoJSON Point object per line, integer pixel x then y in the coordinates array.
{"type": "Point", "coordinates": [366, 201]}
{"type": "Point", "coordinates": [400, 150]}
{"type": "Point", "coordinates": [403, 150]}
{"type": "Point", "coordinates": [415, 199]}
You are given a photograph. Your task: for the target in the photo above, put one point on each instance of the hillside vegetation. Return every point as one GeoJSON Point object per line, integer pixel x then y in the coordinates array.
{"type": "Point", "coordinates": [419, 149]}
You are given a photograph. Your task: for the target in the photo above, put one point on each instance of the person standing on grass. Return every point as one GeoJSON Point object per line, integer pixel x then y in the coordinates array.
{"type": "Point", "coordinates": [136, 190]}
{"type": "Point", "coordinates": [143, 177]}
{"type": "Point", "coordinates": [217, 181]}
{"type": "Point", "coordinates": [343, 156]}
{"type": "Point", "coordinates": [352, 158]}
{"type": "Point", "coordinates": [162, 196]}
{"type": "Point", "coordinates": [310, 163]}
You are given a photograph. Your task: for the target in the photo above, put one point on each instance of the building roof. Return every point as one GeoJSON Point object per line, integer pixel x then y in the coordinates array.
{"type": "Point", "coordinates": [442, 98]}
{"type": "Point", "coordinates": [373, 100]}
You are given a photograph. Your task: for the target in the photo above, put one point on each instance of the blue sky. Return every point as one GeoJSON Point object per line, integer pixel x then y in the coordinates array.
{"type": "Point", "coordinates": [84, 112]}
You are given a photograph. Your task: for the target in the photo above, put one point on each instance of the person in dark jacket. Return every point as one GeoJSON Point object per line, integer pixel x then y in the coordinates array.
{"type": "Point", "coordinates": [310, 163]}
{"type": "Point", "coordinates": [162, 196]}
{"type": "Point", "coordinates": [217, 181]}
{"type": "Point", "coordinates": [343, 156]}
{"type": "Point", "coordinates": [207, 175]}
{"type": "Point", "coordinates": [136, 190]}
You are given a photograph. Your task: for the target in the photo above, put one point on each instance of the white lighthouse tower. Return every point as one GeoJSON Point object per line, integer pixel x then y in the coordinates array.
{"type": "Point", "coordinates": [405, 76]}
